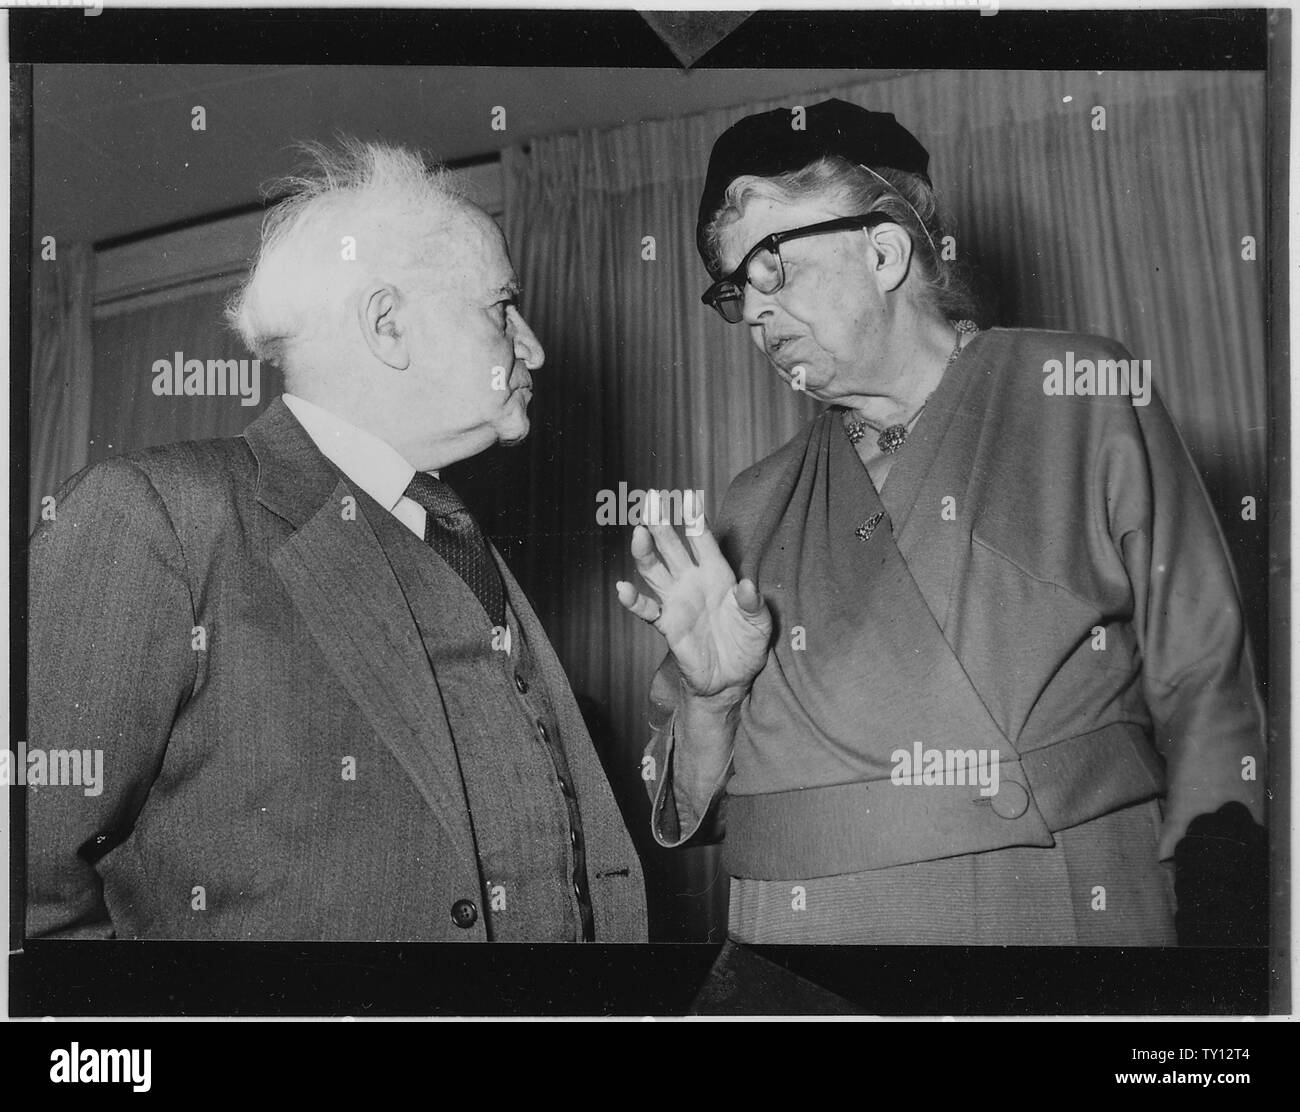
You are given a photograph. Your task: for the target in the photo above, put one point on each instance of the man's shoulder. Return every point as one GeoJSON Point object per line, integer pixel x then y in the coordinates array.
{"type": "Point", "coordinates": [189, 478]}
{"type": "Point", "coordinates": [194, 460]}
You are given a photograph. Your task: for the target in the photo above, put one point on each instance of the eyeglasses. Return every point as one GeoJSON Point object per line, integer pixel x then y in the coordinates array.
{"type": "Point", "coordinates": [762, 267]}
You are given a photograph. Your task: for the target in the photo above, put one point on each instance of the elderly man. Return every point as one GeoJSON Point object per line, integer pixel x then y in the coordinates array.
{"type": "Point", "coordinates": [326, 707]}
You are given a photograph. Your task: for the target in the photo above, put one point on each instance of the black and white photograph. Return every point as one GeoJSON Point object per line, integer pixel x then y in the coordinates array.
{"type": "Point", "coordinates": [736, 513]}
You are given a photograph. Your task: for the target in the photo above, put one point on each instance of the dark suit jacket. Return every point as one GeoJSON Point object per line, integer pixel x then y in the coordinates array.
{"type": "Point", "coordinates": [208, 615]}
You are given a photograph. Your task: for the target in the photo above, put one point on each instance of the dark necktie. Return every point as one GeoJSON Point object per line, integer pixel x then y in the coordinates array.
{"type": "Point", "coordinates": [451, 531]}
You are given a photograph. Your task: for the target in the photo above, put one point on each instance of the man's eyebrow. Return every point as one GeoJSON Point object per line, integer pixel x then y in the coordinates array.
{"type": "Point", "coordinates": [510, 289]}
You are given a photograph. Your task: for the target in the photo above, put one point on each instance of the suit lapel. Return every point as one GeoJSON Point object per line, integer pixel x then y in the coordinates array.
{"type": "Point", "coordinates": [293, 477]}
{"type": "Point", "coordinates": [340, 581]}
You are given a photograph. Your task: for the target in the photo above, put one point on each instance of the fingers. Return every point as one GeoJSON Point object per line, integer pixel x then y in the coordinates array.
{"type": "Point", "coordinates": [647, 609]}
{"type": "Point", "coordinates": [704, 545]}
{"type": "Point", "coordinates": [648, 564]}
{"type": "Point", "coordinates": [671, 550]}
{"type": "Point", "coordinates": [748, 598]}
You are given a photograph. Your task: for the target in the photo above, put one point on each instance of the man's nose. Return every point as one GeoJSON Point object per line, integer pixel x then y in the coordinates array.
{"type": "Point", "coordinates": [527, 346]}
{"type": "Point", "coordinates": [756, 305]}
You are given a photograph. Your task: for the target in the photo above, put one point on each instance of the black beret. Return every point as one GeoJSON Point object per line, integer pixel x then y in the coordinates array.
{"type": "Point", "coordinates": [767, 144]}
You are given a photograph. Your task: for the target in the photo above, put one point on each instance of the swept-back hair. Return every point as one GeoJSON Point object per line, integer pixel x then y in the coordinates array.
{"type": "Point", "coordinates": [390, 200]}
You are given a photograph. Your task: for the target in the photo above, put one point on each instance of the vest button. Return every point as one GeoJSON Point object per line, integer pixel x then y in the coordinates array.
{"type": "Point", "coordinates": [464, 914]}
{"type": "Point", "coordinates": [521, 684]}
{"type": "Point", "coordinates": [1011, 800]}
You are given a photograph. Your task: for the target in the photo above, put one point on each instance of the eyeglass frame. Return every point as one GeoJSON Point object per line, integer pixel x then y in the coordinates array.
{"type": "Point", "coordinates": [739, 278]}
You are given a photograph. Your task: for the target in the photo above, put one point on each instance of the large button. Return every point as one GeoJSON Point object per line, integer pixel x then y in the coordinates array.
{"type": "Point", "coordinates": [464, 914]}
{"type": "Point", "coordinates": [1011, 800]}
{"type": "Point", "coordinates": [573, 838]}
{"type": "Point", "coordinates": [564, 787]}
{"type": "Point", "coordinates": [521, 684]}
{"type": "Point", "coordinates": [541, 732]}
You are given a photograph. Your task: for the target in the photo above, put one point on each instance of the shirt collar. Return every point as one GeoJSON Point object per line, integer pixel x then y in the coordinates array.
{"type": "Point", "coordinates": [373, 464]}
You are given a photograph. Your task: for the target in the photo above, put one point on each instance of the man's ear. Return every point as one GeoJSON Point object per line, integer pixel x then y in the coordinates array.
{"type": "Point", "coordinates": [893, 255]}
{"type": "Point", "coordinates": [378, 311]}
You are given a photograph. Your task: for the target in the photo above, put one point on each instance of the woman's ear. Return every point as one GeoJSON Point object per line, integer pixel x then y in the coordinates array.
{"type": "Point", "coordinates": [378, 316]}
{"type": "Point", "coordinates": [893, 249]}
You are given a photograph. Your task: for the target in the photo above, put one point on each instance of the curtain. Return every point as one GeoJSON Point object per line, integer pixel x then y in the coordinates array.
{"type": "Point", "coordinates": [1133, 232]}
{"type": "Point", "coordinates": [62, 293]}
{"type": "Point", "coordinates": [129, 339]}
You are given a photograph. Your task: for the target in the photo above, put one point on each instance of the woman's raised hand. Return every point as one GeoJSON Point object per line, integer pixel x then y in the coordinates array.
{"type": "Point", "coordinates": [718, 630]}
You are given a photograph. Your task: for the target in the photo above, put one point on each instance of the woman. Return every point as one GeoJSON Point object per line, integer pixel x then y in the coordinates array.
{"type": "Point", "coordinates": [984, 673]}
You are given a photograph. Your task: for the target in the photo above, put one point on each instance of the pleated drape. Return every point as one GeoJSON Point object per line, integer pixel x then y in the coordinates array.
{"type": "Point", "coordinates": [62, 296]}
{"type": "Point", "coordinates": [1130, 224]}
{"type": "Point", "coordinates": [128, 415]}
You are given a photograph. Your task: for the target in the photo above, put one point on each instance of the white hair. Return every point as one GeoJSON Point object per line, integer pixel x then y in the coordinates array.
{"type": "Point", "coordinates": [390, 201]}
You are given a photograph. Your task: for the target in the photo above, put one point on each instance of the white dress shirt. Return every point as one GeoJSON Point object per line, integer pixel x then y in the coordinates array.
{"type": "Point", "coordinates": [374, 465]}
